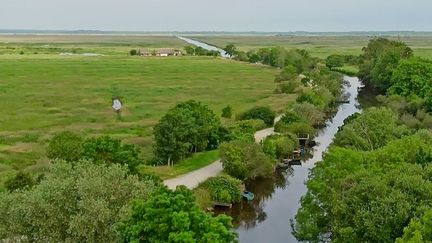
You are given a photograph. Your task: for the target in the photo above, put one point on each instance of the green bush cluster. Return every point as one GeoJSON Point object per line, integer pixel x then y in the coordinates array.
{"type": "Point", "coordinates": [224, 189]}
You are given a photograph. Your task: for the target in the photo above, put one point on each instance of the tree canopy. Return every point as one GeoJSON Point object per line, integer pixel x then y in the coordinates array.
{"type": "Point", "coordinates": [79, 202]}
{"type": "Point", "coordinates": [174, 216]}
{"type": "Point", "coordinates": [187, 128]}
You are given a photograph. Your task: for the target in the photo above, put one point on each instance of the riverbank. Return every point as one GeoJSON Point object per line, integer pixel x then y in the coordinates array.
{"type": "Point", "coordinates": [267, 218]}
{"type": "Point", "coordinates": [194, 178]}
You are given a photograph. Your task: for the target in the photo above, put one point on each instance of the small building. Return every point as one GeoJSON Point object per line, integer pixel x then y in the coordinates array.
{"type": "Point", "coordinates": [164, 52]}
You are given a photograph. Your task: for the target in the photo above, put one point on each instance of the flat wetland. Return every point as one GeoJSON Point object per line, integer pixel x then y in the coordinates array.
{"type": "Point", "coordinates": [43, 92]}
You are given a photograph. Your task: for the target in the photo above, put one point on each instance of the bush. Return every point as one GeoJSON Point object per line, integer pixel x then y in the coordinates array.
{"type": "Point", "coordinates": [244, 160]}
{"type": "Point", "coordinates": [109, 150]}
{"type": "Point", "coordinates": [260, 112]}
{"type": "Point", "coordinates": [203, 198]}
{"type": "Point", "coordinates": [312, 98]}
{"type": "Point", "coordinates": [223, 189]}
{"type": "Point", "coordinates": [301, 127]}
{"type": "Point", "coordinates": [65, 146]}
{"type": "Point", "coordinates": [287, 87]}
{"type": "Point", "coordinates": [20, 181]}
{"type": "Point", "coordinates": [309, 112]}
{"type": "Point", "coordinates": [133, 52]}
{"type": "Point", "coordinates": [227, 112]}
{"type": "Point", "coordinates": [245, 130]}
{"type": "Point", "coordinates": [280, 146]}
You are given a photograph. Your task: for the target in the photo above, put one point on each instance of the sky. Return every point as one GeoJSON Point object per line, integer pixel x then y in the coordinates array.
{"type": "Point", "coordinates": [217, 15]}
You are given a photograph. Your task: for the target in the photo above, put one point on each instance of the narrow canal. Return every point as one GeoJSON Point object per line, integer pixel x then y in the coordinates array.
{"type": "Point", "coordinates": [268, 217]}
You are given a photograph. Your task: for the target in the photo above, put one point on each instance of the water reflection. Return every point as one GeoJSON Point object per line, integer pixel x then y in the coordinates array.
{"type": "Point", "coordinates": [267, 217]}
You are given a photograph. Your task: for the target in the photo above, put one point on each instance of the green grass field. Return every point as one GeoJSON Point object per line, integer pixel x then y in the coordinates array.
{"type": "Point", "coordinates": [320, 46]}
{"type": "Point", "coordinates": [45, 93]}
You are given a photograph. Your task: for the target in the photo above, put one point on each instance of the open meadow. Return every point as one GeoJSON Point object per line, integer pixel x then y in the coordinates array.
{"type": "Point", "coordinates": [42, 94]}
{"type": "Point", "coordinates": [319, 46]}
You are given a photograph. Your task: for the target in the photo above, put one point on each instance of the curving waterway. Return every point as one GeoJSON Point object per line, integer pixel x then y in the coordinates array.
{"type": "Point", "coordinates": [204, 45]}
{"type": "Point", "coordinates": [268, 217]}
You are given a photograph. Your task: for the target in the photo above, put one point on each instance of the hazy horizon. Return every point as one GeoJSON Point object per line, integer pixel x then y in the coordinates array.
{"type": "Point", "coordinates": [224, 15]}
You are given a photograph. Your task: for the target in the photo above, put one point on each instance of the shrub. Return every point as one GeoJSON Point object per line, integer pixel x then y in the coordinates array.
{"type": "Point", "coordinates": [65, 146]}
{"type": "Point", "coordinates": [280, 146]}
{"type": "Point", "coordinates": [109, 150]}
{"type": "Point", "coordinates": [301, 127]}
{"type": "Point", "coordinates": [223, 189]}
{"type": "Point", "coordinates": [260, 112]}
{"type": "Point", "coordinates": [133, 52]}
{"type": "Point", "coordinates": [245, 130]}
{"type": "Point", "coordinates": [227, 112]}
{"type": "Point", "coordinates": [244, 160]}
{"type": "Point", "coordinates": [20, 181]}
{"type": "Point", "coordinates": [203, 198]}
{"type": "Point", "coordinates": [309, 112]}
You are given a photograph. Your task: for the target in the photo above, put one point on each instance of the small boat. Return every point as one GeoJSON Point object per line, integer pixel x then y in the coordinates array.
{"type": "Point", "coordinates": [248, 195]}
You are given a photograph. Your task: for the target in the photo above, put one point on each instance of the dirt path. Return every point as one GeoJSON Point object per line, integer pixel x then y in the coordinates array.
{"type": "Point", "coordinates": [192, 179]}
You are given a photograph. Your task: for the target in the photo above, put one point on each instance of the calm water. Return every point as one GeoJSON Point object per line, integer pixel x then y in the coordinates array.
{"type": "Point", "coordinates": [204, 45]}
{"type": "Point", "coordinates": [267, 217]}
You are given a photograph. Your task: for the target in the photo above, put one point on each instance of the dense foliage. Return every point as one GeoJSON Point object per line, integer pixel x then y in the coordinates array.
{"type": "Point", "coordinates": [21, 180]}
{"type": "Point", "coordinates": [66, 146]}
{"type": "Point", "coordinates": [223, 188]}
{"type": "Point", "coordinates": [374, 185]}
{"type": "Point", "coordinates": [379, 59]}
{"type": "Point", "coordinates": [280, 146]}
{"type": "Point", "coordinates": [174, 216]}
{"type": "Point", "coordinates": [259, 112]}
{"type": "Point", "coordinates": [187, 128]}
{"type": "Point", "coordinates": [80, 203]}
{"type": "Point", "coordinates": [110, 150]}
{"type": "Point", "coordinates": [227, 112]}
{"type": "Point", "coordinates": [370, 130]}
{"type": "Point", "coordinates": [367, 196]}
{"type": "Point", "coordinates": [244, 130]}
{"type": "Point", "coordinates": [244, 160]}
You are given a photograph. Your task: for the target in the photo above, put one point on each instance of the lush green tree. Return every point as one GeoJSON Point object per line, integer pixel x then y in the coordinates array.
{"type": "Point", "coordinates": [414, 77]}
{"type": "Point", "coordinates": [370, 130]}
{"type": "Point", "coordinates": [223, 188]}
{"type": "Point", "coordinates": [418, 230]}
{"type": "Point", "coordinates": [363, 196]}
{"type": "Point", "coordinates": [79, 202]}
{"type": "Point", "coordinates": [21, 180]}
{"type": "Point", "coordinates": [174, 216]}
{"type": "Point", "coordinates": [334, 60]}
{"type": "Point", "coordinates": [187, 128]}
{"type": "Point", "coordinates": [190, 50]}
{"type": "Point", "coordinates": [110, 150]}
{"type": "Point", "coordinates": [259, 112]}
{"type": "Point", "coordinates": [244, 160]}
{"type": "Point", "coordinates": [231, 50]}
{"type": "Point", "coordinates": [227, 112]}
{"type": "Point", "coordinates": [379, 59]}
{"type": "Point", "coordinates": [66, 146]}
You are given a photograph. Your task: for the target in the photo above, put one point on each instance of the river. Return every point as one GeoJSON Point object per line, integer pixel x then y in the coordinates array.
{"type": "Point", "coordinates": [205, 46]}
{"type": "Point", "coordinates": [268, 217]}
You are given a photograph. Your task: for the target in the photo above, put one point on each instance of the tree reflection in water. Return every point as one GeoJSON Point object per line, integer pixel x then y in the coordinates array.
{"type": "Point", "coordinates": [247, 214]}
